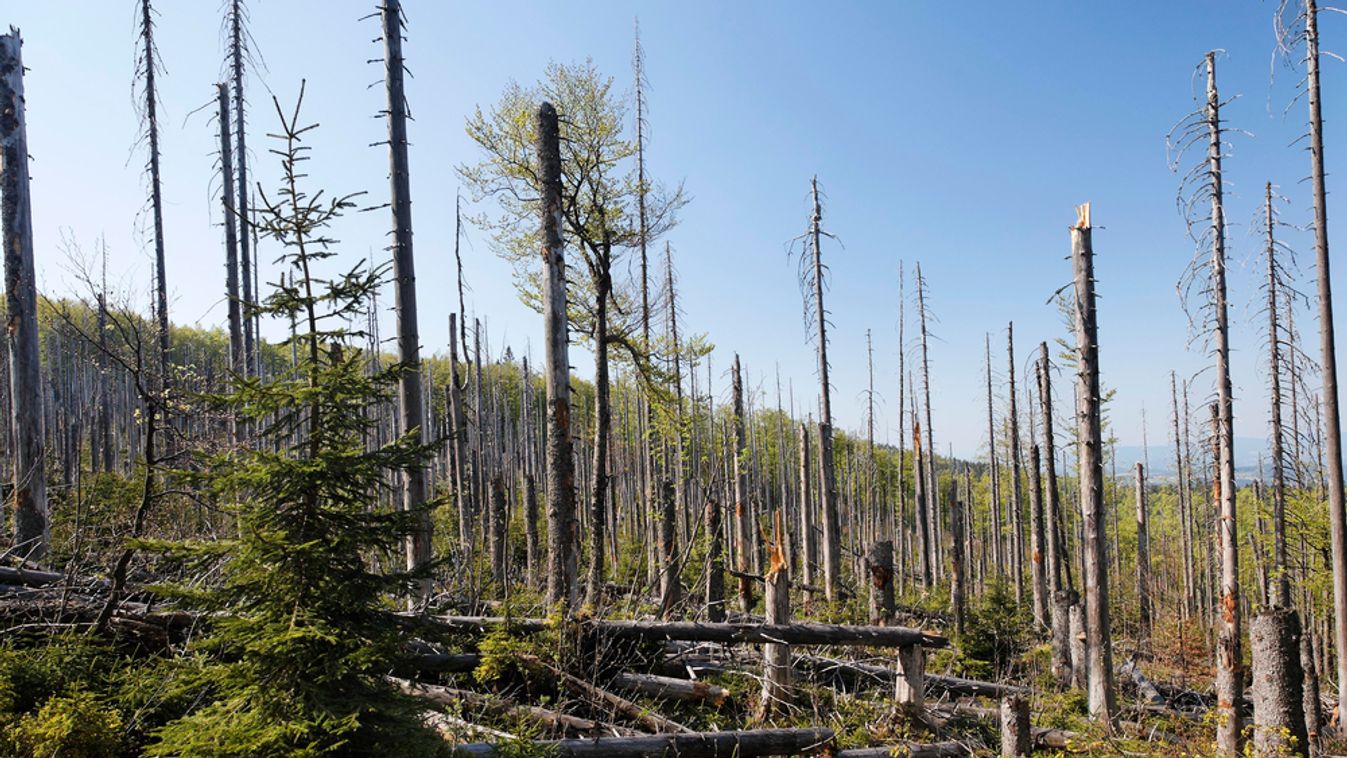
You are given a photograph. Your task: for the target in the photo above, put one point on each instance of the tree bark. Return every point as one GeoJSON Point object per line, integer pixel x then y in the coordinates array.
{"type": "Point", "coordinates": [1042, 616]}
{"type": "Point", "coordinates": [27, 423]}
{"type": "Point", "coordinates": [832, 546]}
{"type": "Point", "coordinates": [1016, 735]}
{"type": "Point", "coordinates": [670, 591]}
{"type": "Point", "coordinates": [1278, 707]}
{"type": "Point", "coordinates": [237, 359]}
{"type": "Point", "coordinates": [411, 407]}
{"type": "Point", "coordinates": [1091, 468]}
{"type": "Point", "coordinates": [562, 527]}
{"type": "Point", "coordinates": [1228, 659]}
{"type": "Point", "coordinates": [879, 564]}
{"type": "Point", "coordinates": [1143, 555]}
{"type": "Point", "coordinates": [743, 533]}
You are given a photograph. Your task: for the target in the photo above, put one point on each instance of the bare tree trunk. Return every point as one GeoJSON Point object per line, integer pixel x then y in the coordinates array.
{"type": "Point", "coordinates": [31, 528]}
{"type": "Point", "coordinates": [1062, 602]}
{"type": "Point", "coordinates": [932, 480]}
{"type": "Point", "coordinates": [1016, 517]}
{"type": "Point", "coordinates": [808, 550]}
{"type": "Point", "coordinates": [1056, 549]}
{"type": "Point", "coordinates": [1143, 556]}
{"type": "Point", "coordinates": [994, 491]}
{"type": "Point", "coordinates": [1228, 661]}
{"type": "Point", "coordinates": [562, 529]}
{"type": "Point", "coordinates": [1100, 646]}
{"type": "Point", "coordinates": [411, 408]}
{"type": "Point", "coordinates": [1282, 579]}
{"type": "Point", "coordinates": [1016, 736]}
{"type": "Point", "coordinates": [670, 590]}
{"type": "Point", "coordinates": [879, 564]}
{"type": "Point", "coordinates": [776, 685]}
{"type": "Point", "coordinates": [743, 533]}
{"type": "Point", "coordinates": [1036, 541]}
{"type": "Point", "coordinates": [237, 53]}
{"type": "Point", "coordinates": [603, 421]}
{"type": "Point", "coordinates": [1328, 361]}
{"type": "Point", "coordinates": [497, 542]}
{"type": "Point", "coordinates": [156, 199]}
{"type": "Point", "coordinates": [237, 359]}
{"type": "Point", "coordinates": [956, 564]}
{"type": "Point", "coordinates": [1313, 707]}
{"type": "Point", "coordinates": [1278, 709]}
{"type": "Point", "coordinates": [1185, 505]}
{"type": "Point", "coordinates": [832, 546]}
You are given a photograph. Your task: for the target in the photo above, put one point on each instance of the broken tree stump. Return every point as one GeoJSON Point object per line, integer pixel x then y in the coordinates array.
{"type": "Point", "coordinates": [1016, 735]}
{"type": "Point", "coordinates": [1278, 684]}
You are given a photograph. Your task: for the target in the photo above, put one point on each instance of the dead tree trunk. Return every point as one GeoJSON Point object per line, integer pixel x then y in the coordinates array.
{"type": "Point", "coordinates": [1056, 550]}
{"type": "Point", "coordinates": [1016, 736]}
{"type": "Point", "coordinates": [1228, 662]}
{"type": "Point", "coordinates": [1016, 516]}
{"type": "Point", "coordinates": [603, 421]}
{"type": "Point", "coordinates": [808, 550]}
{"type": "Point", "coordinates": [879, 563]}
{"type": "Point", "coordinates": [1100, 646]}
{"type": "Point", "coordinates": [1062, 602]}
{"type": "Point", "coordinates": [149, 71]}
{"type": "Point", "coordinates": [1278, 708]}
{"type": "Point", "coordinates": [561, 523]}
{"type": "Point", "coordinates": [1143, 556]}
{"type": "Point", "coordinates": [237, 53]}
{"type": "Point", "coordinates": [832, 545]}
{"type": "Point", "coordinates": [670, 591]}
{"type": "Point", "coordinates": [956, 564]}
{"type": "Point", "coordinates": [1281, 575]}
{"type": "Point", "coordinates": [932, 480]}
{"type": "Point", "coordinates": [743, 532]}
{"type": "Point", "coordinates": [1313, 706]}
{"type": "Point", "coordinates": [27, 427]}
{"type": "Point", "coordinates": [776, 684]}
{"type": "Point", "coordinates": [1036, 540]}
{"type": "Point", "coordinates": [237, 360]}
{"type": "Point", "coordinates": [1328, 361]}
{"type": "Point", "coordinates": [497, 526]}
{"type": "Point", "coordinates": [411, 408]}
{"type": "Point", "coordinates": [1185, 506]}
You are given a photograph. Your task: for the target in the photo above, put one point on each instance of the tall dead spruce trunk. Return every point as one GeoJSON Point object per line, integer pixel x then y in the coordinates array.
{"type": "Point", "coordinates": [237, 361]}
{"type": "Point", "coordinates": [561, 531]}
{"type": "Point", "coordinates": [148, 70]}
{"type": "Point", "coordinates": [1328, 361]}
{"type": "Point", "coordinates": [1143, 556]}
{"type": "Point", "coordinates": [743, 532]}
{"type": "Point", "coordinates": [410, 408]}
{"type": "Point", "coordinates": [1229, 684]}
{"type": "Point", "coordinates": [1281, 575]}
{"type": "Point", "coordinates": [1016, 511]}
{"type": "Point", "coordinates": [31, 530]}
{"type": "Point", "coordinates": [832, 544]}
{"type": "Point", "coordinates": [237, 51]}
{"type": "Point", "coordinates": [1098, 638]}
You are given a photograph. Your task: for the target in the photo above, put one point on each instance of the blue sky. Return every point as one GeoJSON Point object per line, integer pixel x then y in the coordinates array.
{"type": "Point", "coordinates": [957, 135]}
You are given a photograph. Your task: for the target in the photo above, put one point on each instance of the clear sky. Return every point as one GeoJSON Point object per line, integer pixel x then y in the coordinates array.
{"type": "Point", "coordinates": [959, 135]}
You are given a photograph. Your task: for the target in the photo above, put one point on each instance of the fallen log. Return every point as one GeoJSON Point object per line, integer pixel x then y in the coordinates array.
{"type": "Point", "coordinates": [745, 744]}
{"type": "Point", "coordinates": [29, 577]}
{"type": "Point", "coordinates": [857, 673]}
{"type": "Point", "coordinates": [908, 750]}
{"type": "Point", "coordinates": [652, 685]}
{"type": "Point", "coordinates": [803, 633]}
{"type": "Point", "coordinates": [597, 695]}
{"type": "Point", "coordinates": [544, 717]}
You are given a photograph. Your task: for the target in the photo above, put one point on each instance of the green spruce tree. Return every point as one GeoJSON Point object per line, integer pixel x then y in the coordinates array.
{"type": "Point", "coordinates": [301, 636]}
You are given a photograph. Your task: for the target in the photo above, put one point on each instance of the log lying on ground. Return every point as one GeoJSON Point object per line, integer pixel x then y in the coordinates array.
{"type": "Point", "coordinates": [804, 633]}
{"type": "Point", "coordinates": [744, 744]}
{"type": "Point", "coordinates": [866, 673]}
{"type": "Point", "coordinates": [599, 696]}
{"type": "Point", "coordinates": [541, 716]}
{"type": "Point", "coordinates": [908, 750]}
{"type": "Point", "coordinates": [655, 686]}
{"type": "Point", "coordinates": [29, 577]}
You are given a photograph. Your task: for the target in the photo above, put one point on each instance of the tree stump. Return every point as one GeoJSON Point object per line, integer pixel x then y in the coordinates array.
{"type": "Point", "coordinates": [1016, 736]}
{"type": "Point", "coordinates": [1278, 684]}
